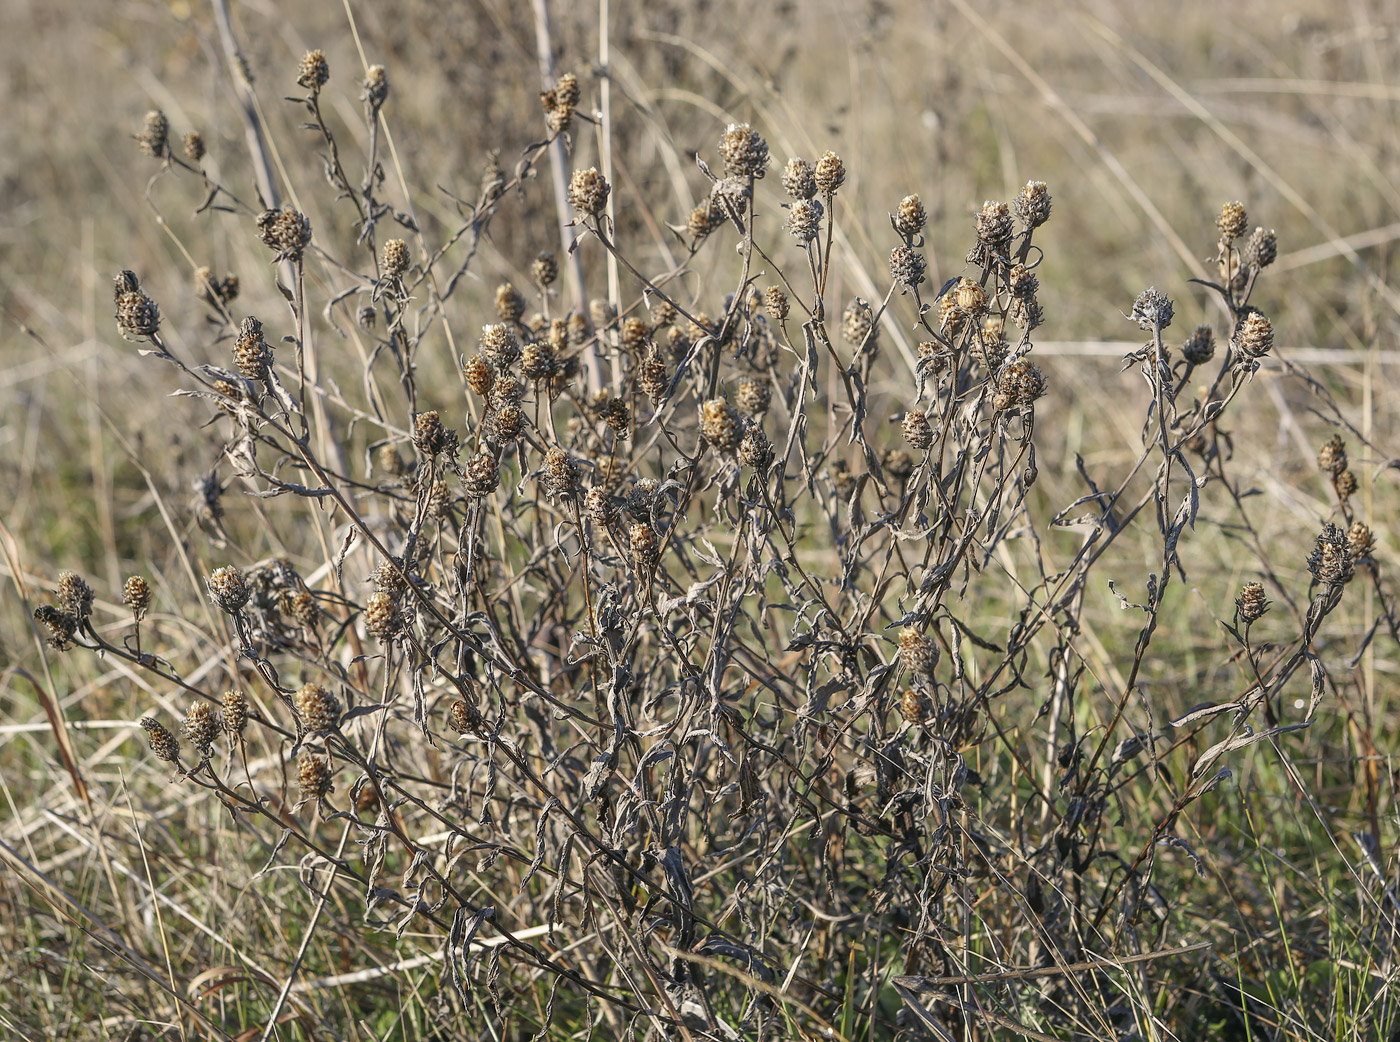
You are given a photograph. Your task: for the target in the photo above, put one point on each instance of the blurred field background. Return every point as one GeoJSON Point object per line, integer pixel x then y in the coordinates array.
{"type": "Point", "coordinates": [1141, 118]}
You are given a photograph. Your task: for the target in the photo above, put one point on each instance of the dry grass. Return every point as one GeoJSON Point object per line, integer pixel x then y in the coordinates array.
{"type": "Point", "coordinates": [805, 738]}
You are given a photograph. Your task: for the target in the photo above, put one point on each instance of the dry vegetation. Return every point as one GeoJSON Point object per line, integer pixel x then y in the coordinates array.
{"type": "Point", "coordinates": [820, 603]}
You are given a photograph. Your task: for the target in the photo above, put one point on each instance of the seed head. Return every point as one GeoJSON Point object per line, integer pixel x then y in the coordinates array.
{"type": "Point", "coordinates": [1026, 313]}
{"type": "Point", "coordinates": [798, 179]}
{"type": "Point", "coordinates": [1251, 603]}
{"type": "Point", "coordinates": [75, 596]}
{"type": "Point", "coordinates": [388, 461]}
{"type": "Point", "coordinates": [775, 303]}
{"type": "Point", "coordinates": [1332, 457]}
{"type": "Point", "coordinates": [395, 258]}
{"type": "Point", "coordinates": [704, 219]}
{"type": "Point", "coordinates": [1019, 384]}
{"type": "Point", "coordinates": [1232, 221]}
{"type": "Point", "coordinates": [599, 505]}
{"type": "Point", "coordinates": [201, 727]}
{"type": "Point", "coordinates": [317, 708]}
{"type": "Point", "coordinates": [618, 417]}
{"type": "Point", "coordinates": [560, 474]}
{"type": "Point", "coordinates": [588, 192]}
{"type": "Point", "coordinates": [137, 314]}
{"type": "Point", "coordinates": [383, 619]}
{"type": "Point", "coordinates": [909, 216]}
{"type": "Point", "coordinates": [507, 390]}
{"type": "Point", "coordinates": [745, 154]}
{"type": "Point", "coordinates": [154, 139]}
{"type": "Point", "coordinates": [136, 595]}
{"type": "Point", "coordinates": [1255, 336]}
{"type": "Point", "coordinates": [463, 718]}
{"type": "Point", "coordinates": [164, 744]}
{"type": "Point", "coordinates": [537, 360]}
{"type": "Point", "coordinates": [969, 297]}
{"type": "Point", "coordinates": [235, 715]}
{"type": "Point", "coordinates": [830, 173]}
{"type": "Point", "coordinates": [918, 432]}
{"type": "Point", "coordinates": [301, 606]}
{"type": "Point", "coordinates": [58, 626]}
{"type": "Point", "coordinates": [1331, 561]}
{"type": "Point", "coordinates": [545, 269]}
{"type": "Point", "coordinates": [805, 219]}
{"type": "Point", "coordinates": [376, 89]}
{"type": "Point", "coordinates": [429, 435]}
{"type": "Point", "coordinates": [314, 776]}
{"type": "Point", "coordinates": [1199, 347]}
{"type": "Point", "coordinates": [479, 375]}
{"type": "Point", "coordinates": [483, 475]}
{"type": "Point", "coordinates": [646, 548]}
{"type": "Point", "coordinates": [314, 71]}
{"type": "Point", "coordinates": [1345, 484]}
{"type": "Point", "coordinates": [907, 266]}
{"type": "Point", "coordinates": [507, 421]}
{"type": "Point", "coordinates": [640, 498]}
{"type": "Point", "coordinates": [1262, 248]}
{"type": "Point", "coordinates": [1360, 541]}
{"type": "Point", "coordinates": [994, 225]}
{"type": "Point", "coordinates": [1033, 205]}
{"type": "Point", "coordinates": [500, 346]}
{"type": "Point", "coordinates": [914, 707]}
{"type": "Point", "coordinates": [753, 396]}
{"type": "Point", "coordinates": [1152, 310]}
{"type": "Point", "coordinates": [634, 334]}
{"type": "Point", "coordinates": [1022, 281]}
{"type": "Point", "coordinates": [858, 324]}
{"type": "Point", "coordinates": [228, 589]}
{"type": "Point", "coordinates": [286, 232]}
{"type": "Point", "coordinates": [252, 355]}
{"type": "Point", "coordinates": [754, 448]}
{"type": "Point", "coordinates": [721, 424]}
{"type": "Point", "coordinates": [652, 377]}
{"type": "Point", "coordinates": [897, 463]}
{"type": "Point", "coordinates": [194, 146]}
{"type": "Point", "coordinates": [917, 652]}
{"type": "Point", "coordinates": [510, 305]}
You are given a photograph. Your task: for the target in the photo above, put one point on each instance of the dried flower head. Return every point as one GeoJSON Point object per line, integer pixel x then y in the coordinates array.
{"type": "Point", "coordinates": [200, 728]}
{"type": "Point", "coordinates": [775, 303]}
{"type": "Point", "coordinates": [805, 219]}
{"type": "Point", "coordinates": [194, 146]}
{"type": "Point", "coordinates": [1033, 205]}
{"type": "Point", "coordinates": [252, 355]}
{"type": "Point", "coordinates": [704, 219]}
{"type": "Point", "coordinates": [1152, 310]}
{"type": "Point", "coordinates": [154, 139]}
{"type": "Point", "coordinates": [634, 335]}
{"type": "Point", "coordinates": [538, 361]}
{"type": "Point", "coordinates": [640, 498]}
{"type": "Point", "coordinates": [137, 314]}
{"type": "Point", "coordinates": [235, 715]}
{"type": "Point", "coordinates": [58, 626]}
{"type": "Point", "coordinates": [313, 776]}
{"type": "Point", "coordinates": [1262, 248]}
{"type": "Point", "coordinates": [1332, 457]}
{"type": "Point", "coordinates": [314, 71]}
{"type": "Point", "coordinates": [618, 417]}
{"type": "Point", "coordinates": [858, 324]}
{"type": "Point", "coordinates": [798, 179]}
{"type": "Point", "coordinates": [510, 305]}
{"type": "Point", "coordinates": [507, 421]}
{"type": "Point", "coordinates": [317, 708]}
{"type": "Point", "coordinates": [907, 266]}
{"type": "Point", "coordinates": [917, 652]}
{"type": "Point", "coordinates": [744, 153]}
{"type": "Point", "coordinates": [994, 225]}
{"type": "Point", "coordinates": [228, 589]}
{"type": "Point", "coordinates": [1360, 540]}
{"type": "Point", "coordinates": [1022, 282]}
{"type": "Point", "coordinates": [652, 377]}
{"type": "Point", "coordinates": [909, 217]}
{"type": "Point", "coordinates": [164, 744]}
{"type": "Point", "coordinates": [600, 505]}
{"type": "Point", "coordinates": [754, 448]}
{"type": "Point", "coordinates": [394, 261]}
{"type": "Point", "coordinates": [969, 297]}
{"type": "Point", "coordinates": [136, 595]}
{"type": "Point", "coordinates": [897, 463]}
{"type": "Point", "coordinates": [918, 432]}
{"type": "Point", "coordinates": [1251, 603]}
{"type": "Point", "coordinates": [915, 707]}
{"type": "Point", "coordinates": [483, 474]}
{"type": "Point", "coordinates": [479, 374]}
{"type": "Point", "coordinates": [1019, 384]}
{"type": "Point", "coordinates": [721, 424]}
{"type": "Point", "coordinates": [383, 620]}
{"type": "Point", "coordinates": [830, 173]}
{"type": "Point", "coordinates": [753, 396]}
{"type": "Point", "coordinates": [1199, 347]}
{"type": "Point", "coordinates": [545, 269]}
{"type": "Point", "coordinates": [1345, 485]}
{"type": "Point", "coordinates": [1331, 560]}
{"type": "Point", "coordinates": [646, 548]}
{"type": "Point", "coordinates": [1255, 336]}
{"type": "Point", "coordinates": [1232, 221]}
{"type": "Point", "coordinates": [463, 718]}
{"type": "Point", "coordinates": [286, 232]}
{"type": "Point", "coordinates": [588, 192]}
{"type": "Point", "coordinates": [376, 87]}
{"type": "Point", "coordinates": [388, 461]}
{"type": "Point", "coordinates": [500, 346]}
{"type": "Point", "coordinates": [560, 476]}
{"type": "Point", "coordinates": [75, 596]}
{"type": "Point", "coordinates": [388, 577]}
{"type": "Point", "coordinates": [430, 436]}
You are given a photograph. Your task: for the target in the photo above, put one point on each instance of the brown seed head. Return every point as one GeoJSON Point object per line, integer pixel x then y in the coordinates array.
{"type": "Point", "coordinates": [317, 708]}
{"type": "Point", "coordinates": [58, 626]}
{"type": "Point", "coordinates": [1331, 560]}
{"type": "Point", "coordinates": [1345, 484]}
{"type": "Point", "coordinates": [388, 461]}
{"type": "Point", "coordinates": [798, 179]}
{"type": "Point", "coordinates": [634, 334]}
{"type": "Point", "coordinates": [897, 463]}
{"type": "Point", "coordinates": [1332, 457]}
{"type": "Point", "coordinates": [314, 776]}
{"type": "Point", "coordinates": [136, 595]}
{"type": "Point", "coordinates": [194, 146]}
{"type": "Point", "coordinates": [154, 139]}
{"type": "Point", "coordinates": [618, 417]}
{"type": "Point", "coordinates": [1022, 281]}
{"type": "Point", "coordinates": [500, 346]}
{"type": "Point", "coordinates": [1251, 603]}
{"type": "Point", "coordinates": [1255, 336]}
{"type": "Point", "coordinates": [228, 589]}
{"type": "Point", "coordinates": [858, 324]}
{"type": "Point", "coordinates": [235, 716]}
{"type": "Point", "coordinates": [463, 718]}
{"type": "Point", "coordinates": [75, 595]}
{"type": "Point", "coordinates": [1360, 540]}
{"type": "Point", "coordinates": [479, 375]}
{"type": "Point", "coordinates": [744, 153]}
{"type": "Point", "coordinates": [429, 435]}
{"type": "Point", "coordinates": [917, 652]}
{"type": "Point", "coordinates": [588, 192]}
{"type": "Point", "coordinates": [1033, 205]}
{"type": "Point", "coordinates": [1262, 248]}
{"type": "Point", "coordinates": [640, 498]}
{"type": "Point", "coordinates": [907, 266]}
{"type": "Point", "coordinates": [915, 707]}
{"type": "Point", "coordinates": [164, 744]}
{"type": "Point", "coordinates": [201, 727]}
{"type": "Point", "coordinates": [252, 355]}
{"type": "Point", "coordinates": [545, 269]}
{"type": "Point", "coordinates": [1232, 221]}
{"type": "Point", "coordinates": [314, 71]}
{"type": "Point", "coordinates": [286, 232]}
{"type": "Point", "coordinates": [560, 474]}
{"type": "Point", "coordinates": [376, 88]}
{"type": "Point", "coordinates": [395, 258]}
{"type": "Point", "coordinates": [830, 173]}
{"type": "Point", "coordinates": [652, 377]}
{"type": "Point", "coordinates": [753, 396]}
{"type": "Point", "coordinates": [510, 305]}
{"type": "Point", "coordinates": [1019, 384]}
{"type": "Point", "coordinates": [775, 302]}
{"type": "Point", "coordinates": [909, 216]}
{"type": "Point", "coordinates": [537, 360]}
{"type": "Point", "coordinates": [1199, 347]}
{"type": "Point", "coordinates": [388, 578]}
{"type": "Point", "coordinates": [599, 505]}
{"type": "Point", "coordinates": [383, 619]}
{"type": "Point", "coordinates": [507, 421]}
{"type": "Point", "coordinates": [969, 296]}
{"type": "Point", "coordinates": [137, 314]}
{"type": "Point", "coordinates": [646, 548]}
{"type": "Point", "coordinates": [1026, 312]}
{"type": "Point", "coordinates": [721, 424]}
{"type": "Point", "coordinates": [754, 448]}
{"type": "Point", "coordinates": [1152, 310]}
{"type": "Point", "coordinates": [994, 225]}
{"type": "Point", "coordinates": [483, 474]}
{"type": "Point", "coordinates": [805, 219]}
{"type": "Point", "coordinates": [918, 432]}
